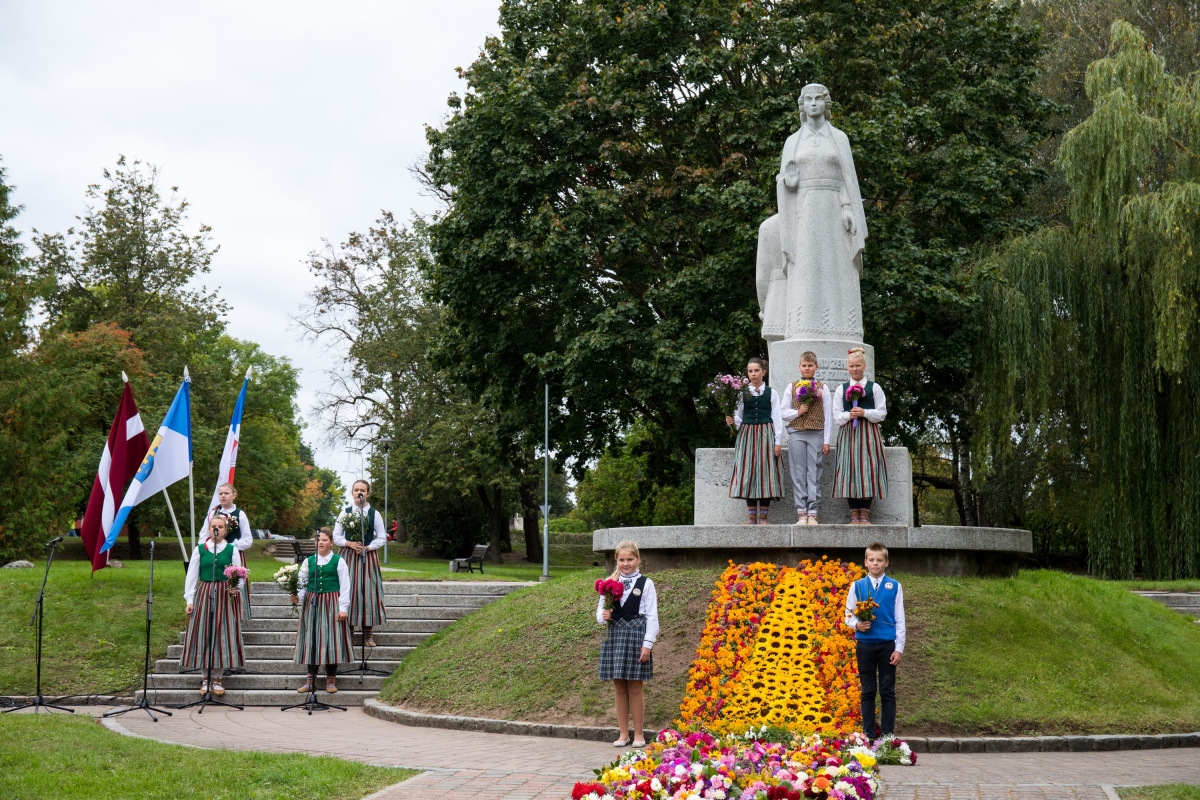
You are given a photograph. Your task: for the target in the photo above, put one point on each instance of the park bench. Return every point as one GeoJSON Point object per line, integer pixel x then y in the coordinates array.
{"type": "Point", "coordinates": [303, 548]}
{"type": "Point", "coordinates": [477, 557]}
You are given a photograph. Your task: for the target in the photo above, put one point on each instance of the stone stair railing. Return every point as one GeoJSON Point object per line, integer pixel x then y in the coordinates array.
{"type": "Point", "coordinates": [1187, 603]}
{"type": "Point", "coordinates": [415, 610]}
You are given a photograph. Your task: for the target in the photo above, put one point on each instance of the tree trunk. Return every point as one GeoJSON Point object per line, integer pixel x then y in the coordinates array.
{"type": "Point", "coordinates": [497, 522]}
{"type": "Point", "coordinates": [529, 518]}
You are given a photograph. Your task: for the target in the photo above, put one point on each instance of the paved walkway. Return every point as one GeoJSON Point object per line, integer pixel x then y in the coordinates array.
{"type": "Point", "coordinates": [529, 767]}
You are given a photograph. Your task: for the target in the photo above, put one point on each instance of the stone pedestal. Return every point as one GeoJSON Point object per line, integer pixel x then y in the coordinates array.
{"type": "Point", "coordinates": [713, 505]}
{"type": "Point", "coordinates": [784, 356]}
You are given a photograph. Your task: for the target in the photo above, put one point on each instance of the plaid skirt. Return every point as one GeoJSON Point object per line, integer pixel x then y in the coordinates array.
{"type": "Point", "coordinates": [228, 651]}
{"type": "Point", "coordinates": [332, 645]}
{"type": "Point", "coordinates": [861, 468]}
{"type": "Point", "coordinates": [368, 572]}
{"type": "Point", "coordinates": [619, 653]}
{"type": "Point", "coordinates": [757, 471]}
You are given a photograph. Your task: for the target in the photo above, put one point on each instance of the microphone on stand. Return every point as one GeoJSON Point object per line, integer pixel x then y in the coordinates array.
{"type": "Point", "coordinates": [55, 540]}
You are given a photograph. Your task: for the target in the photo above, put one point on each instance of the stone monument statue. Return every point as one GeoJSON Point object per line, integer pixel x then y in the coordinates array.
{"type": "Point", "coordinates": [810, 253]}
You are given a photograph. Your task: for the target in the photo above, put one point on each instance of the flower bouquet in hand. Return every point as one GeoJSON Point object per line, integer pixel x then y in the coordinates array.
{"type": "Point", "coordinates": [288, 579]}
{"type": "Point", "coordinates": [726, 390]}
{"type": "Point", "coordinates": [853, 395]}
{"type": "Point", "coordinates": [806, 392]}
{"type": "Point", "coordinates": [864, 610]}
{"type": "Point", "coordinates": [235, 574]}
{"type": "Point", "coordinates": [611, 591]}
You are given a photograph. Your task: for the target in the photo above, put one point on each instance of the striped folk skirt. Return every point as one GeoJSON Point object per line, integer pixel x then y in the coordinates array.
{"type": "Point", "coordinates": [372, 592]}
{"type": "Point", "coordinates": [757, 471]}
{"type": "Point", "coordinates": [228, 651]}
{"type": "Point", "coordinates": [619, 653]}
{"type": "Point", "coordinates": [861, 469]}
{"type": "Point", "coordinates": [331, 645]}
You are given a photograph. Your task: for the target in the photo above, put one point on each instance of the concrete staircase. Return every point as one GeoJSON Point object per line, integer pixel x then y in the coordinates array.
{"type": "Point", "coordinates": [415, 610]}
{"type": "Point", "coordinates": [1187, 603]}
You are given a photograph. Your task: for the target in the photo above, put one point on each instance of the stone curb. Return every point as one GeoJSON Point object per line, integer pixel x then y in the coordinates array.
{"type": "Point", "coordinates": [921, 744]}
{"type": "Point", "coordinates": [8, 701]}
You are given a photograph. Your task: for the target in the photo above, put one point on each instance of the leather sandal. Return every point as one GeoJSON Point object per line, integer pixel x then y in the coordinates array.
{"type": "Point", "coordinates": [331, 685]}
{"type": "Point", "coordinates": [307, 687]}
{"type": "Point", "coordinates": [218, 689]}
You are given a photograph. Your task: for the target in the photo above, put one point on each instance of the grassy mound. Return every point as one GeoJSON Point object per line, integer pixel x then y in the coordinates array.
{"type": "Point", "coordinates": [56, 757]}
{"type": "Point", "coordinates": [1042, 653]}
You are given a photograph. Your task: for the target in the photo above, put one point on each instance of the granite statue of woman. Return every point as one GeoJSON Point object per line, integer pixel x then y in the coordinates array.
{"type": "Point", "coordinates": [810, 253]}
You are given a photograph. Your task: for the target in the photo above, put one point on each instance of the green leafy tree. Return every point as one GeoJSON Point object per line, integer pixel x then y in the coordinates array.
{"type": "Point", "coordinates": [620, 492]}
{"type": "Point", "coordinates": [608, 167]}
{"type": "Point", "coordinates": [1093, 325]}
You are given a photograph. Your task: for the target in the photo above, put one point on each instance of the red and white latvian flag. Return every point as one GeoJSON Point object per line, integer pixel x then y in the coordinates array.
{"type": "Point", "coordinates": [127, 444]}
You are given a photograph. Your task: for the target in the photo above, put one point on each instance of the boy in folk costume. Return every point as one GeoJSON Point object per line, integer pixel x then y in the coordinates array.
{"type": "Point", "coordinates": [859, 406]}
{"type": "Point", "coordinates": [879, 642]}
{"type": "Point", "coordinates": [239, 536]}
{"type": "Point", "coordinates": [808, 415]}
{"type": "Point", "coordinates": [366, 590]}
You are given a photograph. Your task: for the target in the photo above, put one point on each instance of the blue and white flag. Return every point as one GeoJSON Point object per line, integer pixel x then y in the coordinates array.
{"type": "Point", "coordinates": [168, 460]}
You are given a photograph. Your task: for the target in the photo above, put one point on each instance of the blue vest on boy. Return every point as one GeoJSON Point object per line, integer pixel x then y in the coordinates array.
{"type": "Point", "coordinates": [883, 627]}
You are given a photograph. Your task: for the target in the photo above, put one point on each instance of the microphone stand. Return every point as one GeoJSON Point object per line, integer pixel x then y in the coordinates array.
{"type": "Point", "coordinates": [38, 701]}
{"type": "Point", "coordinates": [144, 703]}
{"type": "Point", "coordinates": [311, 703]}
{"type": "Point", "coordinates": [361, 570]}
{"type": "Point", "coordinates": [209, 698]}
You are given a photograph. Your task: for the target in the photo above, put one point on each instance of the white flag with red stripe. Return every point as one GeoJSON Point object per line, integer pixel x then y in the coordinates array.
{"type": "Point", "coordinates": [123, 452]}
{"type": "Point", "coordinates": [230, 453]}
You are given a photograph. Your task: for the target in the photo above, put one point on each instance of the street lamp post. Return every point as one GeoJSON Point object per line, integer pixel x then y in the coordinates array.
{"type": "Point", "coordinates": [546, 497]}
{"type": "Point", "coordinates": [386, 443]}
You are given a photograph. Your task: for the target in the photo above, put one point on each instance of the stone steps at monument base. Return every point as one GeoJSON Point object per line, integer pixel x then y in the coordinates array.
{"type": "Point", "coordinates": [416, 610]}
{"type": "Point", "coordinates": [267, 666]}
{"type": "Point", "coordinates": [289, 638]}
{"type": "Point", "coordinates": [275, 683]}
{"type": "Point", "coordinates": [1187, 603]}
{"type": "Point", "coordinates": [289, 625]}
{"type": "Point", "coordinates": [280, 652]}
{"type": "Point", "coordinates": [264, 697]}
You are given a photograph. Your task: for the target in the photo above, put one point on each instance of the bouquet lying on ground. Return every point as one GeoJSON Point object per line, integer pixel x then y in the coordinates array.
{"type": "Point", "coordinates": [288, 579]}
{"type": "Point", "coordinates": [853, 395]}
{"type": "Point", "coordinates": [611, 590]}
{"type": "Point", "coordinates": [235, 574]}
{"type": "Point", "coordinates": [726, 390]}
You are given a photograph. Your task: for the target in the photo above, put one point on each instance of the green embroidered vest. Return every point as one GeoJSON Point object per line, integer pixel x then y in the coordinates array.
{"type": "Point", "coordinates": [756, 409]}
{"type": "Point", "coordinates": [866, 401]}
{"type": "Point", "coordinates": [323, 577]}
{"type": "Point", "coordinates": [223, 559]}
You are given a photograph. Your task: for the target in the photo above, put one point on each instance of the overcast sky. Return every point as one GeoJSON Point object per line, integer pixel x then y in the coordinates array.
{"type": "Point", "coordinates": [281, 123]}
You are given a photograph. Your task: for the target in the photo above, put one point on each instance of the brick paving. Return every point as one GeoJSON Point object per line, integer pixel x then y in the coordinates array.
{"type": "Point", "coordinates": [464, 764]}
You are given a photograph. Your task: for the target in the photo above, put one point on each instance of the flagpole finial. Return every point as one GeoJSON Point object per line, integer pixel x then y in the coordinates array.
{"type": "Point", "coordinates": [248, 371]}
{"type": "Point", "coordinates": [124, 377]}
{"type": "Point", "coordinates": [187, 376]}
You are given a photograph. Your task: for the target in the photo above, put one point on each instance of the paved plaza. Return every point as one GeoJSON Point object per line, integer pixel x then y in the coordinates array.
{"type": "Point", "coordinates": [463, 764]}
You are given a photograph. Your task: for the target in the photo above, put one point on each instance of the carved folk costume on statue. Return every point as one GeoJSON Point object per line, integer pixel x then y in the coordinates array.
{"type": "Point", "coordinates": [757, 471]}
{"type": "Point", "coordinates": [861, 472]}
{"type": "Point", "coordinates": [810, 253]}
{"type": "Point", "coordinates": [808, 433]}
{"type": "Point", "coordinates": [366, 591]}
{"type": "Point", "coordinates": [322, 637]}
{"type": "Point", "coordinates": [207, 590]}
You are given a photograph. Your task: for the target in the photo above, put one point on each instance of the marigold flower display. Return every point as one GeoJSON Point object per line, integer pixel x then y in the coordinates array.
{"type": "Point", "coordinates": [774, 651]}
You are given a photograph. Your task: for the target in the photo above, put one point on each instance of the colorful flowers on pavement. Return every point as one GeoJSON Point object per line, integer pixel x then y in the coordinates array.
{"type": "Point", "coordinates": [699, 765]}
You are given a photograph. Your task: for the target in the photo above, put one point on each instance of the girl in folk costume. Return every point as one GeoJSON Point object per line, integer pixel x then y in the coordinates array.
{"type": "Point", "coordinates": [858, 407]}
{"type": "Point", "coordinates": [208, 595]}
{"type": "Point", "coordinates": [359, 534]}
{"type": "Point", "coordinates": [324, 635]}
{"type": "Point", "coordinates": [808, 414]}
{"type": "Point", "coordinates": [239, 536]}
{"type": "Point", "coordinates": [625, 653]}
{"type": "Point", "coordinates": [757, 468]}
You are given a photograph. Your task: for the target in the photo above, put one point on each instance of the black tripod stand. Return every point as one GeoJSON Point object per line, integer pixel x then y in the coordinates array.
{"type": "Point", "coordinates": [38, 701]}
{"type": "Point", "coordinates": [361, 569]}
{"type": "Point", "coordinates": [208, 699]}
{"type": "Point", "coordinates": [144, 703]}
{"type": "Point", "coordinates": [311, 703]}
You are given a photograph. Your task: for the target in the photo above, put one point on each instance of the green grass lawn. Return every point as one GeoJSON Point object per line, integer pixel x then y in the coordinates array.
{"type": "Point", "coordinates": [1169, 791]}
{"type": "Point", "coordinates": [47, 757]}
{"type": "Point", "coordinates": [1042, 653]}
